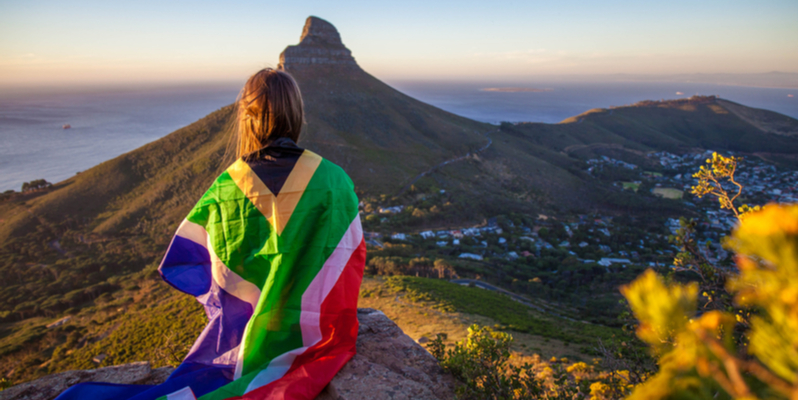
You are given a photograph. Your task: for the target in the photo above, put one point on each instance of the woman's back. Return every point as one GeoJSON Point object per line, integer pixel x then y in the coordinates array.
{"type": "Point", "coordinates": [286, 253]}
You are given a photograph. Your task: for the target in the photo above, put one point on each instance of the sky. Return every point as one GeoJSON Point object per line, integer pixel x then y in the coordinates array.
{"type": "Point", "coordinates": [66, 42]}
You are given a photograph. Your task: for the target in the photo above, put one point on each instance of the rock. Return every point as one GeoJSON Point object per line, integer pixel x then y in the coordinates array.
{"type": "Point", "coordinates": [321, 45]}
{"type": "Point", "coordinates": [388, 365]}
{"type": "Point", "coordinates": [52, 385]}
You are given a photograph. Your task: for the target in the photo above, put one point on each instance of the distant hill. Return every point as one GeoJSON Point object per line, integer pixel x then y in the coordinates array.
{"type": "Point", "coordinates": [773, 79]}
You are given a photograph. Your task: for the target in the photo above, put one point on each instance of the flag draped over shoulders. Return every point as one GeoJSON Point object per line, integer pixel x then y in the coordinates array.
{"type": "Point", "coordinates": [275, 253]}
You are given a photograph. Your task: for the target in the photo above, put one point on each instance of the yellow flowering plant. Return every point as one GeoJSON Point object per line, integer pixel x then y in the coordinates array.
{"type": "Point", "coordinates": [712, 179]}
{"type": "Point", "coordinates": [699, 356]}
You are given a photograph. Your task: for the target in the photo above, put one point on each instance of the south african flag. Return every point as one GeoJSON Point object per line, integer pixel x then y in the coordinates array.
{"type": "Point", "coordinates": [275, 252]}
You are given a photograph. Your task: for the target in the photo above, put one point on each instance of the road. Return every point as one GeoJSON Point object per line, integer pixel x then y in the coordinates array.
{"type": "Point", "coordinates": [450, 161]}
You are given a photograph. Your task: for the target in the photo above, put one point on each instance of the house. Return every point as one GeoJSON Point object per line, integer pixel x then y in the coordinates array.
{"type": "Point", "coordinates": [390, 210]}
{"type": "Point", "coordinates": [427, 234]}
{"type": "Point", "coordinates": [606, 262]}
{"type": "Point", "coordinates": [471, 232]}
{"type": "Point", "coordinates": [471, 256]}
{"type": "Point", "coordinates": [441, 244]}
{"type": "Point", "coordinates": [399, 236]}
{"type": "Point", "coordinates": [501, 240]}
{"type": "Point", "coordinates": [456, 242]}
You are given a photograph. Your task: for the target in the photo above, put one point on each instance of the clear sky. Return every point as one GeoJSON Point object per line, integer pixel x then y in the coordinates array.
{"type": "Point", "coordinates": [124, 41]}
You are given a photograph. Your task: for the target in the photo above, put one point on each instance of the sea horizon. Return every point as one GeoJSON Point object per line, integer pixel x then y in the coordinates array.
{"type": "Point", "coordinates": [107, 120]}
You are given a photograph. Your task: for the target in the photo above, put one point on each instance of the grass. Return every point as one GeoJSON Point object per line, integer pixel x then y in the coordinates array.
{"type": "Point", "coordinates": [631, 185]}
{"type": "Point", "coordinates": [668, 193]}
{"type": "Point", "coordinates": [154, 323]}
{"type": "Point", "coordinates": [509, 314]}
{"type": "Point", "coordinates": [424, 319]}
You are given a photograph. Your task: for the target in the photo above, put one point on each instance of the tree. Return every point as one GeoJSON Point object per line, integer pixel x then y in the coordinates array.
{"type": "Point", "coordinates": [36, 185]}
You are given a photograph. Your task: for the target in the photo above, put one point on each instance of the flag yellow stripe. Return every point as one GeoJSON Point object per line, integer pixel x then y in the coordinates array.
{"type": "Point", "coordinates": [277, 209]}
{"type": "Point", "coordinates": [295, 186]}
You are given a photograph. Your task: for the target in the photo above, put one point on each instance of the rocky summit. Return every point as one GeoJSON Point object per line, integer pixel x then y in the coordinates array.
{"type": "Point", "coordinates": [320, 45]}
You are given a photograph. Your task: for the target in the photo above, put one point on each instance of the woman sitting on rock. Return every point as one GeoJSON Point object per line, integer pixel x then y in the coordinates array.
{"type": "Point", "coordinates": [275, 252]}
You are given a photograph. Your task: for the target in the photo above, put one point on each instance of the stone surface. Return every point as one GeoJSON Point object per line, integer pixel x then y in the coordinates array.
{"type": "Point", "coordinates": [388, 365]}
{"type": "Point", "coordinates": [52, 385]}
{"type": "Point", "coordinates": [320, 45]}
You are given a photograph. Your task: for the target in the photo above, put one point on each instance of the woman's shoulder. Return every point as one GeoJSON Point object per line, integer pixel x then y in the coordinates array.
{"type": "Point", "coordinates": [330, 170]}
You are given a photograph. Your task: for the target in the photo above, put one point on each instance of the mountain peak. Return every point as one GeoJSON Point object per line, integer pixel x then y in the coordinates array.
{"type": "Point", "coordinates": [317, 31]}
{"type": "Point", "coordinates": [320, 44]}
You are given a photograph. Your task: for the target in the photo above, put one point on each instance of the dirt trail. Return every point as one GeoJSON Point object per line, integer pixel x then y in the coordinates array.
{"type": "Point", "coordinates": [450, 161]}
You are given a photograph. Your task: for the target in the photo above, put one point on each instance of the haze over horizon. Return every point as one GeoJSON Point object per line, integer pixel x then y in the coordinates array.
{"type": "Point", "coordinates": [92, 42]}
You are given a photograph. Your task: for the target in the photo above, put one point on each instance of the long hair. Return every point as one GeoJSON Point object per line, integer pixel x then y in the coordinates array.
{"type": "Point", "coordinates": [269, 106]}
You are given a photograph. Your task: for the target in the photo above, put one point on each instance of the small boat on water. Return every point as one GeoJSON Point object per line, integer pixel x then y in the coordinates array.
{"type": "Point", "coordinates": [67, 126]}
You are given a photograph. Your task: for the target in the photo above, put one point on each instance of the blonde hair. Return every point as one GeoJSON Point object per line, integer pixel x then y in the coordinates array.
{"type": "Point", "coordinates": [269, 106]}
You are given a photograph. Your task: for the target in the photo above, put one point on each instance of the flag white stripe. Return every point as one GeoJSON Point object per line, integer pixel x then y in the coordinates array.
{"type": "Point", "coordinates": [225, 278]}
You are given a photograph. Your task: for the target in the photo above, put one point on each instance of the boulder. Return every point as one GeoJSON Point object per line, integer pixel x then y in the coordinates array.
{"type": "Point", "coordinates": [388, 365]}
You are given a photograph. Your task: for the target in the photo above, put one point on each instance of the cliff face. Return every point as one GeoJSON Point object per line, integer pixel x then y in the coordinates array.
{"type": "Point", "coordinates": [320, 44]}
{"type": "Point", "coordinates": [388, 365]}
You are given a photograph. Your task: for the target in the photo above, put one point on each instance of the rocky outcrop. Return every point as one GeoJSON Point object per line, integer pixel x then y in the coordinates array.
{"type": "Point", "coordinates": [388, 365]}
{"type": "Point", "coordinates": [320, 45]}
{"type": "Point", "coordinates": [52, 385]}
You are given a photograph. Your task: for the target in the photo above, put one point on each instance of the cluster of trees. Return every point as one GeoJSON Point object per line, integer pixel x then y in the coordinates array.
{"type": "Point", "coordinates": [36, 185]}
{"type": "Point", "coordinates": [418, 266]}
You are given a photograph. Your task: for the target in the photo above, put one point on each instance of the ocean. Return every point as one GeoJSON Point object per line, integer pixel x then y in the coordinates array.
{"type": "Point", "coordinates": [557, 101]}
{"type": "Point", "coordinates": [111, 121]}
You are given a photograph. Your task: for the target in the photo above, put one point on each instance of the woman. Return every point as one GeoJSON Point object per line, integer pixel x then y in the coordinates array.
{"type": "Point", "coordinates": [275, 252]}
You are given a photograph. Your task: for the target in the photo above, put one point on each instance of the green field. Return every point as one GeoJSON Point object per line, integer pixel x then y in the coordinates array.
{"type": "Point", "coordinates": [510, 314]}
{"type": "Point", "coordinates": [631, 185]}
{"type": "Point", "coordinates": [668, 193]}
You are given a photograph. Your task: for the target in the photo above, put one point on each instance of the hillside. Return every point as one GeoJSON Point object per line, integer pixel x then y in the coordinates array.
{"type": "Point", "coordinates": [80, 247]}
